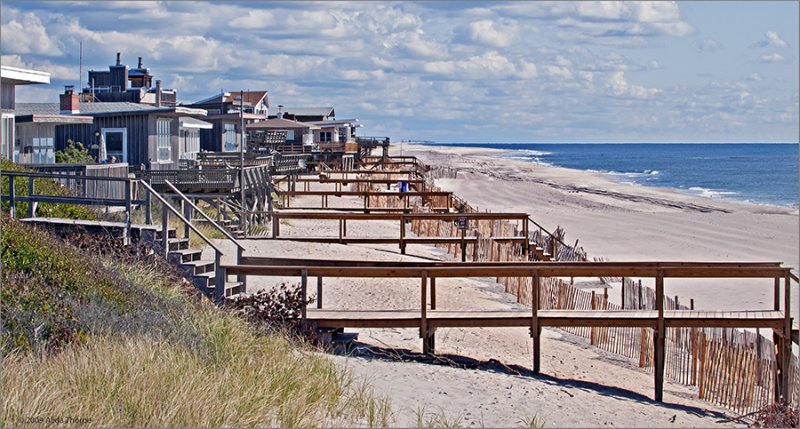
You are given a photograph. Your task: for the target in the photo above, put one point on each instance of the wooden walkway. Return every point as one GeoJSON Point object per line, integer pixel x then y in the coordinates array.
{"type": "Point", "coordinates": [428, 318]}
{"type": "Point", "coordinates": [547, 318]}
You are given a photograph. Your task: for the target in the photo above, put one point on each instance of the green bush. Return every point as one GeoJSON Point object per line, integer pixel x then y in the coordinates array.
{"type": "Point", "coordinates": [43, 186]}
{"type": "Point", "coordinates": [74, 153]}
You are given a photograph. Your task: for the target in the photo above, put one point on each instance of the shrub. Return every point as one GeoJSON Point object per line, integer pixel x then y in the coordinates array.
{"type": "Point", "coordinates": [43, 186]}
{"type": "Point", "coordinates": [74, 153]}
{"type": "Point", "coordinates": [278, 308]}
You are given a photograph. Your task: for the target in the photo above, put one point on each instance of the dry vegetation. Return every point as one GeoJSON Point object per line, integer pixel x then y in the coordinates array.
{"type": "Point", "coordinates": [119, 341]}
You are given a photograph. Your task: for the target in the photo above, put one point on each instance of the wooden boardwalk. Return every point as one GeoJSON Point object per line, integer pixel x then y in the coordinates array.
{"type": "Point", "coordinates": [547, 318]}
{"type": "Point", "coordinates": [428, 318]}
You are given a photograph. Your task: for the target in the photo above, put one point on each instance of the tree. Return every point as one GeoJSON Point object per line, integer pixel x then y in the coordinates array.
{"type": "Point", "coordinates": [74, 153]}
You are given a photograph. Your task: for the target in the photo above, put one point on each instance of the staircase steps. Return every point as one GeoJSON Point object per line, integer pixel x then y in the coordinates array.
{"type": "Point", "coordinates": [185, 255]}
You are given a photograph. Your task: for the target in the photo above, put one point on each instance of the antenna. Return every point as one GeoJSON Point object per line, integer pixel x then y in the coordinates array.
{"type": "Point", "coordinates": [80, 68]}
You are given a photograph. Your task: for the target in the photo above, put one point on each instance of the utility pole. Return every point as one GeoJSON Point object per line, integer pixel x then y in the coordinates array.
{"type": "Point", "coordinates": [242, 218]}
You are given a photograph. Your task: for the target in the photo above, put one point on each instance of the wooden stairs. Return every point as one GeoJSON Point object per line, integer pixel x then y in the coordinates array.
{"type": "Point", "coordinates": [201, 272]}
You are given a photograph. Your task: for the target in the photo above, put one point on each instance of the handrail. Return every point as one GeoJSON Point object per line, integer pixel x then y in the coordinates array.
{"type": "Point", "coordinates": [180, 217]}
{"type": "Point", "coordinates": [64, 176]}
{"type": "Point", "coordinates": [548, 232]}
{"type": "Point", "coordinates": [202, 213]}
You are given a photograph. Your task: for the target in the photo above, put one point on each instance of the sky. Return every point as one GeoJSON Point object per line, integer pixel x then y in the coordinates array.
{"type": "Point", "coordinates": [449, 71]}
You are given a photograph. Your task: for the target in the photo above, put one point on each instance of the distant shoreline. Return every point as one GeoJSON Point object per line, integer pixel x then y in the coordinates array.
{"type": "Point", "coordinates": [643, 176]}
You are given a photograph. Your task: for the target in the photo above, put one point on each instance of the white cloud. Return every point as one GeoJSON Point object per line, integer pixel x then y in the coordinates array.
{"type": "Point", "coordinates": [617, 86]}
{"type": "Point", "coordinates": [57, 71]}
{"type": "Point", "coordinates": [24, 33]}
{"type": "Point", "coordinates": [485, 32]}
{"type": "Point", "coordinates": [708, 45]}
{"type": "Point", "coordinates": [772, 39]}
{"type": "Point", "coordinates": [771, 58]}
{"type": "Point", "coordinates": [490, 65]}
{"type": "Point", "coordinates": [254, 19]}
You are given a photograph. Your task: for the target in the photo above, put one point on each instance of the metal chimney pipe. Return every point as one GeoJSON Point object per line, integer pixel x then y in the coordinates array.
{"type": "Point", "coordinates": [119, 61]}
{"type": "Point", "coordinates": [158, 93]}
{"type": "Point", "coordinates": [140, 62]}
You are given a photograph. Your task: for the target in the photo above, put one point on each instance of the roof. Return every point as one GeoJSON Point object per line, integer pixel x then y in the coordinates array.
{"type": "Point", "coordinates": [101, 108]}
{"type": "Point", "coordinates": [54, 119]}
{"type": "Point", "coordinates": [189, 122]}
{"type": "Point", "coordinates": [281, 124]}
{"type": "Point", "coordinates": [250, 97]}
{"type": "Point", "coordinates": [19, 76]}
{"type": "Point", "coordinates": [336, 122]}
{"type": "Point", "coordinates": [309, 111]}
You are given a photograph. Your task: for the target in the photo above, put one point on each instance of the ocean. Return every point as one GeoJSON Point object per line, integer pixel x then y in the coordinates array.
{"type": "Point", "coordinates": [756, 173]}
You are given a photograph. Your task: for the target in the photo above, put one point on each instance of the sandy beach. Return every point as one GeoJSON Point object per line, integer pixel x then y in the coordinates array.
{"type": "Point", "coordinates": [580, 385]}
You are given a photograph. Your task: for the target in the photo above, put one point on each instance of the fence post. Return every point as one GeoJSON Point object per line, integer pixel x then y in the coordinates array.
{"type": "Point", "coordinates": [640, 295]}
{"type": "Point", "coordinates": [219, 280]}
{"type": "Point", "coordinates": [304, 292]}
{"type": "Point", "coordinates": [423, 320]}
{"type": "Point", "coordinates": [622, 292]}
{"type": "Point", "coordinates": [433, 293]}
{"type": "Point", "coordinates": [165, 229]}
{"type": "Point", "coordinates": [148, 210]}
{"type": "Point", "coordinates": [660, 338]}
{"type": "Point", "coordinates": [12, 197]}
{"type": "Point", "coordinates": [128, 208]}
{"type": "Point", "coordinates": [241, 277]}
{"type": "Point", "coordinates": [536, 330]}
{"type": "Point", "coordinates": [31, 203]}
{"type": "Point", "coordinates": [319, 291]}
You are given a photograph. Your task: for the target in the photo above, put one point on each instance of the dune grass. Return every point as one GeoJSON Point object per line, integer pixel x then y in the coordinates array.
{"type": "Point", "coordinates": [114, 341]}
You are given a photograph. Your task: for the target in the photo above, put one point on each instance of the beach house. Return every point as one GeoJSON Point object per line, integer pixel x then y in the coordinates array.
{"type": "Point", "coordinates": [152, 136]}
{"type": "Point", "coordinates": [10, 78]}
{"type": "Point", "coordinates": [224, 115]}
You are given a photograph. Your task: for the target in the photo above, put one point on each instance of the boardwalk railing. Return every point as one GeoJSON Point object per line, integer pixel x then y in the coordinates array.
{"type": "Point", "coordinates": [544, 302]}
{"type": "Point", "coordinates": [33, 199]}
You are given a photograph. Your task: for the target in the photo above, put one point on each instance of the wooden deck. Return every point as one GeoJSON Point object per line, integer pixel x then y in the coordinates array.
{"type": "Point", "coordinates": [428, 318]}
{"type": "Point", "coordinates": [547, 318]}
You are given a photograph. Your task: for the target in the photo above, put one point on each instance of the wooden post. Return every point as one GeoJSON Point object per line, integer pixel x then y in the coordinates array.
{"type": "Point", "coordinates": [276, 225]}
{"type": "Point", "coordinates": [659, 338]}
{"type": "Point", "coordinates": [12, 197]}
{"type": "Point", "coordinates": [786, 340]}
{"type": "Point", "coordinates": [691, 304]}
{"type": "Point", "coordinates": [340, 230]}
{"type": "Point", "coordinates": [219, 279]}
{"type": "Point", "coordinates": [402, 235]}
{"type": "Point", "coordinates": [304, 292]}
{"type": "Point", "coordinates": [241, 277]}
{"type": "Point", "coordinates": [319, 291]}
{"type": "Point", "coordinates": [776, 294]}
{"type": "Point", "coordinates": [591, 329]}
{"type": "Point", "coordinates": [31, 193]}
{"type": "Point", "coordinates": [148, 210]}
{"type": "Point", "coordinates": [622, 293]}
{"type": "Point", "coordinates": [128, 208]}
{"type": "Point", "coordinates": [526, 245]}
{"type": "Point", "coordinates": [433, 293]}
{"type": "Point", "coordinates": [165, 229]}
{"type": "Point", "coordinates": [463, 246]}
{"type": "Point", "coordinates": [344, 227]}
{"type": "Point", "coordinates": [423, 321]}
{"type": "Point", "coordinates": [640, 295]}
{"type": "Point", "coordinates": [186, 229]}
{"type": "Point", "coordinates": [536, 330]}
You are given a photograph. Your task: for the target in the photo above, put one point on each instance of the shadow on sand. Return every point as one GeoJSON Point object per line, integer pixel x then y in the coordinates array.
{"type": "Point", "coordinates": [366, 351]}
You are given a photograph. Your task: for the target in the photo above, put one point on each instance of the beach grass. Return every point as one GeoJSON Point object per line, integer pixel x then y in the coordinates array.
{"type": "Point", "coordinates": [114, 341]}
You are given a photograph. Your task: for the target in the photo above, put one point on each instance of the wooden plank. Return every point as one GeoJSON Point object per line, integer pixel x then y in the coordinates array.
{"type": "Point", "coordinates": [535, 328]}
{"type": "Point", "coordinates": [659, 339]}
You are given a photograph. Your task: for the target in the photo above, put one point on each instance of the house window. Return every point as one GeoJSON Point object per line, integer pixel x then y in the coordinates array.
{"type": "Point", "coordinates": [162, 137]}
{"type": "Point", "coordinates": [7, 136]}
{"type": "Point", "coordinates": [229, 138]}
{"type": "Point", "coordinates": [190, 143]}
{"type": "Point", "coordinates": [43, 150]}
{"type": "Point", "coordinates": [325, 136]}
{"type": "Point", "coordinates": [289, 135]}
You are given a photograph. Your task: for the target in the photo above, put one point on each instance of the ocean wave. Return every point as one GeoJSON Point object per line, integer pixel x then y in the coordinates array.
{"type": "Point", "coordinates": [632, 175]}
{"type": "Point", "coordinates": [531, 152]}
{"type": "Point", "coordinates": [711, 193]}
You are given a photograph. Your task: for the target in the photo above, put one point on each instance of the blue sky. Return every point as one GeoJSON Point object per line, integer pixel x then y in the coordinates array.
{"type": "Point", "coordinates": [448, 71]}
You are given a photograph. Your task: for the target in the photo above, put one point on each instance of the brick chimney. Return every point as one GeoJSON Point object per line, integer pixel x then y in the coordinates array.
{"type": "Point", "coordinates": [70, 102]}
{"type": "Point", "coordinates": [158, 93]}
